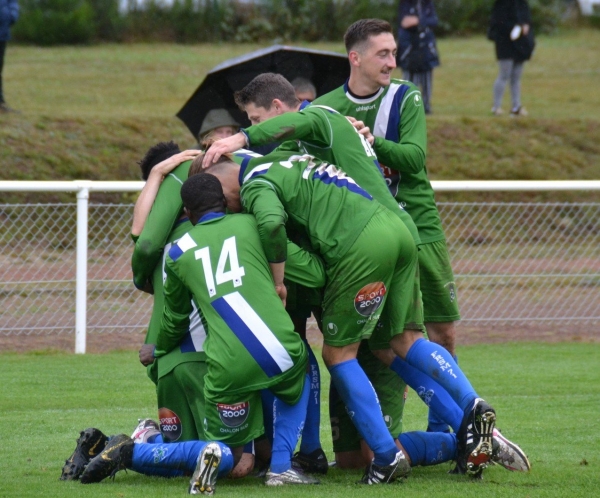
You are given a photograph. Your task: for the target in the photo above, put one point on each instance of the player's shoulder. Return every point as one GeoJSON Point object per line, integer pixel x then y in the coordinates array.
{"type": "Point", "coordinates": [182, 246]}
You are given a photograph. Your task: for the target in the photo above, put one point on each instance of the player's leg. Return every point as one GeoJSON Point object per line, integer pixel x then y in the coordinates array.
{"type": "Point", "coordinates": [190, 378]}
{"type": "Point", "coordinates": [362, 278]}
{"type": "Point", "coordinates": [440, 305]}
{"type": "Point", "coordinates": [176, 419]}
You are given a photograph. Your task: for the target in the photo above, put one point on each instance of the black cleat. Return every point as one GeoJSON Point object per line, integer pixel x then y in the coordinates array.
{"type": "Point", "coordinates": [475, 438]}
{"type": "Point", "coordinates": [90, 443]}
{"type": "Point", "coordinates": [374, 474]}
{"type": "Point", "coordinates": [314, 462]}
{"type": "Point", "coordinates": [117, 455]}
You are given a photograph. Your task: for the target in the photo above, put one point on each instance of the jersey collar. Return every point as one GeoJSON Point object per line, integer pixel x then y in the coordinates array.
{"type": "Point", "coordinates": [213, 215]}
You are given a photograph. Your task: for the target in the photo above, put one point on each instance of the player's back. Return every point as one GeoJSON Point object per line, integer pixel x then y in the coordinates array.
{"type": "Point", "coordinates": [318, 197]}
{"type": "Point", "coordinates": [250, 337]}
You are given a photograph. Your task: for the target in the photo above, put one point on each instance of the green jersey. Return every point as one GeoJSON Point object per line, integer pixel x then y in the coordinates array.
{"type": "Point", "coordinates": [326, 134]}
{"type": "Point", "coordinates": [165, 212]}
{"type": "Point", "coordinates": [397, 120]}
{"type": "Point", "coordinates": [309, 195]}
{"type": "Point", "coordinates": [251, 343]}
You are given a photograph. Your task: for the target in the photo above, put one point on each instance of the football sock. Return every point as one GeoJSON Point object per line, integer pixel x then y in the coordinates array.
{"type": "Point", "coordinates": [433, 395]}
{"type": "Point", "coordinates": [287, 426]}
{"type": "Point", "coordinates": [156, 439]}
{"type": "Point", "coordinates": [362, 404]}
{"type": "Point", "coordinates": [311, 437]}
{"type": "Point", "coordinates": [435, 423]}
{"type": "Point", "coordinates": [175, 459]}
{"type": "Point", "coordinates": [435, 361]}
{"type": "Point", "coordinates": [429, 448]}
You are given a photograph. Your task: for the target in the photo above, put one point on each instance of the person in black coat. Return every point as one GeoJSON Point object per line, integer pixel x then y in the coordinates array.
{"type": "Point", "coordinates": [417, 51]}
{"type": "Point", "coordinates": [510, 30]}
{"type": "Point", "coordinates": [9, 13]}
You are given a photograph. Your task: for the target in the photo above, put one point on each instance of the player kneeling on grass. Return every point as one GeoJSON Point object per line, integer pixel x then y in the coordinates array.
{"type": "Point", "coordinates": [251, 344]}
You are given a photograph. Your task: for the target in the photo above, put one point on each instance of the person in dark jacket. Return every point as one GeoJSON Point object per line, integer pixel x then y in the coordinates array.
{"type": "Point", "coordinates": [417, 51]}
{"type": "Point", "coordinates": [510, 30]}
{"type": "Point", "coordinates": [9, 13]}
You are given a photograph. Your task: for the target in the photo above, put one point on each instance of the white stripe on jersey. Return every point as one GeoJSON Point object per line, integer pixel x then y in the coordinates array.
{"type": "Point", "coordinates": [197, 331]}
{"type": "Point", "coordinates": [186, 243]}
{"type": "Point", "coordinates": [383, 113]}
{"type": "Point", "coordinates": [260, 330]}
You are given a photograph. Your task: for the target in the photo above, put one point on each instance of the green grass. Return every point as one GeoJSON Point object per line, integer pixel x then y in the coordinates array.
{"type": "Point", "coordinates": [546, 395]}
{"type": "Point", "coordinates": [91, 112]}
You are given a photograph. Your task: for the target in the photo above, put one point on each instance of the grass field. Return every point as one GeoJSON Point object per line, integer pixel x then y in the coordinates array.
{"type": "Point", "coordinates": [546, 395]}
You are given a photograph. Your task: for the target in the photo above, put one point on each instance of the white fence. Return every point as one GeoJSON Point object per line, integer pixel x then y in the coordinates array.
{"type": "Point", "coordinates": [66, 267]}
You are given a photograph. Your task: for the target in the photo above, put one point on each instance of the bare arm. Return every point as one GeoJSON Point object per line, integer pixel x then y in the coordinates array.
{"type": "Point", "coordinates": [148, 193]}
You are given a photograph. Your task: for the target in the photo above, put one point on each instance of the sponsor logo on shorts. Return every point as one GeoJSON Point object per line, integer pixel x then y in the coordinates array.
{"type": "Point", "coordinates": [331, 328]}
{"type": "Point", "coordinates": [170, 424]}
{"type": "Point", "coordinates": [451, 290]}
{"type": "Point", "coordinates": [233, 415]}
{"type": "Point", "coordinates": [369, 298]}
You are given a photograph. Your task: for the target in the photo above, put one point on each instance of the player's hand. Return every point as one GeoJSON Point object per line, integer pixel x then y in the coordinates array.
{"type": "Point", "coordinates": [281, 292]}
{"type": "Point", "coordinates": [147, 354]}
{"type": "Point", "coordinates": [362, 129]}
{"type": "Point", "coordinates": [223, 146]}
{"type": "Point", "coordinates": [165, 167]}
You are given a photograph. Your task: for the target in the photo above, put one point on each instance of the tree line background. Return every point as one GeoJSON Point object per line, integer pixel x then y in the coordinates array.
{"type": "Point", "coordinates": [55, 22]}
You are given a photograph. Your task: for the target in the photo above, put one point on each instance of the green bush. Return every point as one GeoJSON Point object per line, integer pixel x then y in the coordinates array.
{"type": "Point", "coordinates": [56, 22]}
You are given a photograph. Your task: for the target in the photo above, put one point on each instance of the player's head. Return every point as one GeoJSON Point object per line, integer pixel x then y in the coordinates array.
{"type": "Point", "coordinates": [227, 171]}
{"type": "Point", "coordinates": [371, 51]}
{"type": "Point", "coordinates": [304, 89]}
{"type": "Point", "coordinates": [156, 154]}
{"type": "Point", "coordinates": [266, 96]}
{"type": "Point", "coordinates": [202, 194]}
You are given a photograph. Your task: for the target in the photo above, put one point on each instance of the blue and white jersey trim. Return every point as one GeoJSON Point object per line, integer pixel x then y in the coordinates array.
{"type": "Point", "coordinates": [184, 244]}
{"type": "Point", "coordinates": [387, 121]}
{"type": "Point", "coordinates": [328, 173]}
{"type": "Point", "coordinates": [194, 339]}
{"type": "Point", "coordinates": [253, 333]}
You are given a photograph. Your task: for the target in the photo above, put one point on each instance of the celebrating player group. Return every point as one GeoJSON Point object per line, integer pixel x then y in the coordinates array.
{"type": "Point", "coordinates": [238, 249]}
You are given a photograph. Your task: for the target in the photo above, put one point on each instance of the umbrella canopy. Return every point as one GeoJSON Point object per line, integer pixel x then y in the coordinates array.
{"type": "Point", "coordinates": [326, 70]}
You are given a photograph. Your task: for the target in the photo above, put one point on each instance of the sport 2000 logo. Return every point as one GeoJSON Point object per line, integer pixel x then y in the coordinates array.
{"type": "Point", "coordinates": [233, 415]}
{"type": "Point", "coordinates": [369, 298]}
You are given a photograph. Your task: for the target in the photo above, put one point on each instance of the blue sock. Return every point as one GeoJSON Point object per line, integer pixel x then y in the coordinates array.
{"type": "Point", "coordinates": [156, 439]}
{"type": "Point", "coordinates": [435, 361]}
{"type": "Point", "coordinates": [429, 448]}
{"type": "Point", "coordinates": [436, 423]}
{"type": "Point", "coordinates": [311, 437]}
{"type": "Point", "coordinates": [268, 399]}
{"type": "Point", "coordinates": [433, 395]}
{"type": "Point", "coordinates": [288, 422]}
{"type": "Point", "coordinates": [174, 459]}
{"type": "Point", "coordinates": [362, 405]}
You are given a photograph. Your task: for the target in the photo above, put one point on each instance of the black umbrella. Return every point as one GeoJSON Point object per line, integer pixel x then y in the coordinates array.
{"type": "Point", "coordinates": [326, 70]}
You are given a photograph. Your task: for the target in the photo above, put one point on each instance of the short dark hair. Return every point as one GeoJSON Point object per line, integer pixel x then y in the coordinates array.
{"type": "Point", "coordinates": [156, 154]}
{"type": "Point", "coordinates": [263, 89]}
{"type": "Point", "coordinates": [360, 32]}
{"type": "Point", "coordinates": [203, 193]}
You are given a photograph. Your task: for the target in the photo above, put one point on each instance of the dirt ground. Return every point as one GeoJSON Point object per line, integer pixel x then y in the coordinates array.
{"type": "Point", "coordinates": [466, 334]}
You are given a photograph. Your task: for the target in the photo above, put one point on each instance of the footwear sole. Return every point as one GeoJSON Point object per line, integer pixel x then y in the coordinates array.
{"type": "Point", "coordinates": [205, 476]}
{"type": "Point", "coordinates": [517, 450]}
{"type": "Point", "coordinates": [480, 456]}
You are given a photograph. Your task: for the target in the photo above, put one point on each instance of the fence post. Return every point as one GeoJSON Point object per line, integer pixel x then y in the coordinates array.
{"type": "Point", "coordinates": [81, 279]}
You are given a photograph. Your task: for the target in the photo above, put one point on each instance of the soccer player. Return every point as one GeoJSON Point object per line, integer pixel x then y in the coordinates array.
{"type": "Point", "coordinates": [268, 100]}
{"type": "Point", "coordinates": [251, 344]}
{"type": "Point", "coordinates": [393, 111]}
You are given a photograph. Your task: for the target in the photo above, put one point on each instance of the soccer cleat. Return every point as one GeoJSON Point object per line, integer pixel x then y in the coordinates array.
{"type": "Point", "coordinates": [314, 462]}
{"type": "Point", "coordinates": [508, 454]}
{"type": "Point", "coordinates": [475, 438]}
{"type": "Point", "coordinates": [117, 455]}
{"type": "Point", "coordinates": [204, 479]}
{"type": "Point", "coordinates": [374, 474]}
{"type": "Point", "coordinates": [90, 443]}
{"type": "Point", "coordinates": [290, 476]}
{"type": "Point", "coordinates": [145, 429]}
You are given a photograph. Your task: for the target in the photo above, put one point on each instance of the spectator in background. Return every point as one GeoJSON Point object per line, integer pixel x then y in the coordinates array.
{"type": "Point", "coordinates": [9, 13]}
{"type": "Point", "coordinates": [510, 30]}
{"type": "Point", "coordinates": [417, 51]}
{"type": "Point", "coordinates": [305, 90]}
{"type": "Point", "coordinates": [217, 124]}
